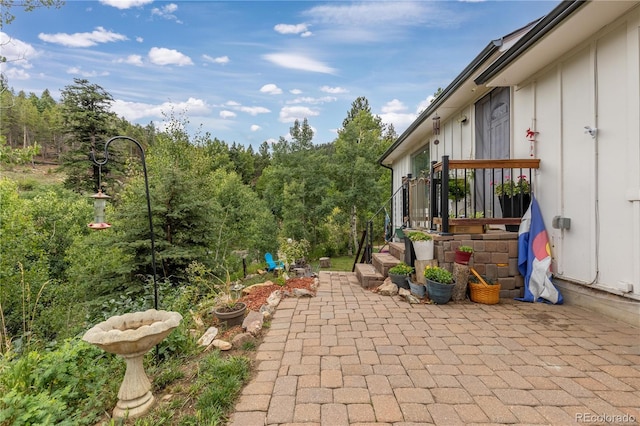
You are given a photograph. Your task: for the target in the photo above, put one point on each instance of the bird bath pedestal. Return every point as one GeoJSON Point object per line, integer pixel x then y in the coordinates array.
{"type": "Point", "coordinates": [132, 336]}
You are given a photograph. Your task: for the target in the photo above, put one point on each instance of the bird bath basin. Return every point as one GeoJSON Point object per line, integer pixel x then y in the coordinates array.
{"type": "Point", "coordinates": [132, 336]}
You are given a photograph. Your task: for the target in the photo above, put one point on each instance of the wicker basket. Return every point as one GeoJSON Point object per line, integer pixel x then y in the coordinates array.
{"type": "Point", "coordinates": [482, 292]}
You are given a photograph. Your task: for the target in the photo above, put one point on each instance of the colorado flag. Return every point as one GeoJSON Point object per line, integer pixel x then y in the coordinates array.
{"type": "Point", "coordinates": [534, 258]}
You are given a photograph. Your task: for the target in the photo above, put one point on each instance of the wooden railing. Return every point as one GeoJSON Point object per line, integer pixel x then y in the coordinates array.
{"type": "Point", "coordinates": [467, 193]}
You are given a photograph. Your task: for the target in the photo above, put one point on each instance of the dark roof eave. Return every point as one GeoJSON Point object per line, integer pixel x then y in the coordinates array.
{"type": "Point", "coordinates": [542, 28]}
{"type": "Point", "coordinates": [486, 53]}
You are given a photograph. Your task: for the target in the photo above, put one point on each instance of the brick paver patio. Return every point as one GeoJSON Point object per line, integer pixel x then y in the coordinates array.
{"type": "Point", "coordinates": [351, 357]}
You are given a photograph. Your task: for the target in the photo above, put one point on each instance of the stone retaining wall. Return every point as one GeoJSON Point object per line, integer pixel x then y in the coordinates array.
{"type": "Point", "coordinates": [495, 255]}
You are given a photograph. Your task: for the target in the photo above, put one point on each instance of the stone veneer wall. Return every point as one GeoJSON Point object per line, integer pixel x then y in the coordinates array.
{"type": "Point", "coordinates": [495, 255]}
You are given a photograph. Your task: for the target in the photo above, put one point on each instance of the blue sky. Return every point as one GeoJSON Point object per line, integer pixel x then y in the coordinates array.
{"type": "Point", "coordinates": [245, 70]}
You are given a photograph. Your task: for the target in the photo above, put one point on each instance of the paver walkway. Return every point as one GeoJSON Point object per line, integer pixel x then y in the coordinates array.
{"type": "Point", "coordinates": [349, 356]}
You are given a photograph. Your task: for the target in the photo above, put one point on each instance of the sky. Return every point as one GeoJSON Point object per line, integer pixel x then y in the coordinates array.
{"type": "Point", "coordinates": [244, 71]}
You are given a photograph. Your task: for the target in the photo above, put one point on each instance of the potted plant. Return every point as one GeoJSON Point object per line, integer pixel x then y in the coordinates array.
{"type": "Point", "coordinates": [440, 284]}
{"type": "Point", "coordinates": [514, 197]}
{"type": "Point", "coordinates": [416, 288]}
{"type": "Point", "coordinates": [463, 254]}
{"type": "Point", "coordinates": [422, 245]}
{"type": "Point", "coordinates": [229, 309]}
{"type": "Point", "coordinates": [293, 252]}
{"type": "Point", "coordinates": [399, 274]}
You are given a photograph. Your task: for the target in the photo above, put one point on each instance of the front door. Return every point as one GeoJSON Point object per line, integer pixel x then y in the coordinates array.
{"type": "Point", "coordinates": [493, 132]}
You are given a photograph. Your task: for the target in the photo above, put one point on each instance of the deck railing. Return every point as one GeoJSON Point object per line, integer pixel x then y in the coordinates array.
{"type": "Point", "coordinates": [382, 220]}
{"type": "Point", "coordinates": [475, 193]}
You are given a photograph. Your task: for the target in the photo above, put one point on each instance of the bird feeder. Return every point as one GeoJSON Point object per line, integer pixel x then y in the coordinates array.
{"type": "Point", "coordinates": [99, 206]}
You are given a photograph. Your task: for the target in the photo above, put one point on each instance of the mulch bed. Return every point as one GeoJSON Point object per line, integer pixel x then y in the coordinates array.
{"type": "Point", "coordinates": [259, 295]}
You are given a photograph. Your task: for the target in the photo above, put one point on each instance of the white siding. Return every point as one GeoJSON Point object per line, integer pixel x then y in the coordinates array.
{"type": "Point", "coordinates": [592, 181]}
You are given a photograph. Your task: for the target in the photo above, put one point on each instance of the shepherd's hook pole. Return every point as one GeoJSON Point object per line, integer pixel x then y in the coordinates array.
{"type": "Point", "coordinates": [146, 186]}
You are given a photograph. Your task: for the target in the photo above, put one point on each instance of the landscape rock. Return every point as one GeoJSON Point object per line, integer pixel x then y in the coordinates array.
{"type": "Point", "coordinates": [208, 336]}
{"type": "Point", "coordinates": [196, 319]}
{"type": "Point", "coordinates": [239, 339]}
{"type": "Point", "coordinates": [388, 288]}
{"type": "Point", "coordinates": [253, 323]}
{"type": "Point", "coordinates": [220, 344]}
{"type": "Point", "coordinates": [248, 290]}
{"type": "Point", "coordinates": [316, 284]}
{"type": "Point", "coordinates": [301, 292]}
{"type": "Point", "coordinates": [274, 298]}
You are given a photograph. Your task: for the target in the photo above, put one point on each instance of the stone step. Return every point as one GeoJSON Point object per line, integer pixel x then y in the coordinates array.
{"type": "Point", "coordinates": [368, 276]}
{"type": "Point", "coordinates": [383, 262]}
{"type": "Point", "coordinates": [397, 250]}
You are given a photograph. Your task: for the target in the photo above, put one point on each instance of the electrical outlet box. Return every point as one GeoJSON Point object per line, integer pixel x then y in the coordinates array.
{"type": "Point", "coordinates": [560, 222]}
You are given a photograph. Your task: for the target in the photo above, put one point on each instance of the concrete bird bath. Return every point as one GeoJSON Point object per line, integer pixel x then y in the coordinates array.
{"type": "Point", "coordinates": [132, 336]}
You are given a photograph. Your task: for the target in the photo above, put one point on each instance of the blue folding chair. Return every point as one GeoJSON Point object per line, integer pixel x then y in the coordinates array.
{"type": "Point", "coordinates": [272, 265]}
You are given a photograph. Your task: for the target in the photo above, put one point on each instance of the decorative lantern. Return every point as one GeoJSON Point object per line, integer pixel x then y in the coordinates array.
{"type": "Point", "coordinates": [99, 205]}
{"type": "Point", "coordinates": [436, 125]}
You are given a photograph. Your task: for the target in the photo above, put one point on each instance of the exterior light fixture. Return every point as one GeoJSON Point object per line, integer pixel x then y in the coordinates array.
{"type": "Point", "coordinates": [436, 125]}
{"type": "Point", "coordinates": [99, 205]}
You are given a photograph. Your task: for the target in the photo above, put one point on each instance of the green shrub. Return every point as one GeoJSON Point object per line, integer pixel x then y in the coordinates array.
{"type": "Point", "coordinates": [438, 274]}
{"type": "Point", "coordinates": [401, 269]}
{"type": "Point", "coordinates": [418, 236]}
{"type": "Point", "coordinates": [71, 385]}
{"type": "Point", "coordinates": [465, 249]}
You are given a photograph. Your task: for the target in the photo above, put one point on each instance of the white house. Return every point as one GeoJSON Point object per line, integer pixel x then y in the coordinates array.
{"type": "Point", "coordinates": [572, 78]}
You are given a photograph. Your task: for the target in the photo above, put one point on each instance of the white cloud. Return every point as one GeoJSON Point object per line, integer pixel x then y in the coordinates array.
{"type": "Point", "coordinates": [86, 74]}
{"type": "Point", "coordinates": [291, 114]}
{"type": "Point", "coordinates": [99, 35]}
{"type": "Point", "coordinates": [17, 52]}
{"type": "Point", "coordinates": [373, 21]}
{"type": "Point", "coordinates": [271, 89]}
{"type": "Point", "coordinates": [425, 103]}
{"type": "Point", "coordinates": [301, 29]}
{"type": "Point", "coordinates": [310, 100]}
{"type": "Point", "coordinates": [393, 106]}
{"type": "Point", "coordinates": [125, 4]}
{"type": "Point", "coordinates": [163, 56]}
{"type": "Point", "coordinates": [139, 39]}
{"type": "Point", "coordinates": [255, 127]}
{"type": "Point", "coordinates": [253, 110]}
{"type": "Point", "coordinates": [219, 60]}
{"type": "Point", "coordinates": [394, 112]}
{"type": "Point", "coordinates": [131, 60]}
{"type": "Point", "coordinates": [298, 62]}
{"type": "Point", "coordinates": [166, 12]}
{"type": "Point", "coordinates": [133, 111]}
{"type": "Point", "coordinates": [17, 74]}
{"type": "Point", "coordinates": [233, 103]}
{"type": "Point", "coordinates": [227, 114]}
{"type": "Point", "coordinates": [333, 90]}
{"type": "Point", "coordinates": [371, 14]}
{"type": "Point", "coordinates": [295, 91]}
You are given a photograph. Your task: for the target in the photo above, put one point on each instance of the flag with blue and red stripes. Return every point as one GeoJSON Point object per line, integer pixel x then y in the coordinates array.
{"type": "Point", "coordinates": [534, 258]}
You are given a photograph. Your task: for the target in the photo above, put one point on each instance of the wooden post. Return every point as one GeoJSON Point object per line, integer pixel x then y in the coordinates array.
{"type": "Point", "coordinates": [461, 276]}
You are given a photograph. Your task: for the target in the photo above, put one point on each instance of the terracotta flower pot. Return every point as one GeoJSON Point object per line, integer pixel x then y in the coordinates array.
{"type": "Point", "coordinates": [462, 257]}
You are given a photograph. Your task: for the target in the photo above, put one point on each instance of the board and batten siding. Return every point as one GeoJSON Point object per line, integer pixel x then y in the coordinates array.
{"type": "Point", "coordinates": [593, 181]}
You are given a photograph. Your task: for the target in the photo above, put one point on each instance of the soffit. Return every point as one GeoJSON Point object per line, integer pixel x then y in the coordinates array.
{"type": "Point", "coordinates": [578, 28]}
